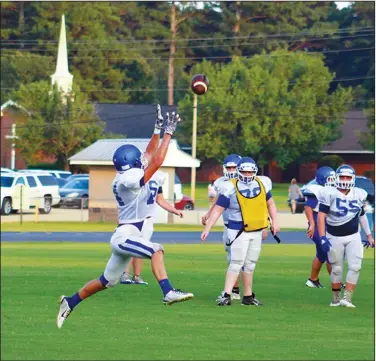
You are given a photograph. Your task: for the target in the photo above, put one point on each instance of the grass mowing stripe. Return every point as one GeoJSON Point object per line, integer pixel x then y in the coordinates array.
{"type": "Point", "coordinates": [130, 322]}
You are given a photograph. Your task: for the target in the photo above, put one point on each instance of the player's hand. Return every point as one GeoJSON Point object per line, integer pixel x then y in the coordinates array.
{"type": "Point", "coordinates": [159, 118]}
{"type": "Point", "coordinates": [369, 242]}
{"type": "Point", "coordinates": [204, 235]}
{"type": "Point", "coordinates": [179, 213]}
{"type": "Point", "coordinates": [275, 229]}
{"type": "Point", "coordinates": [311, 230]}
{"type": "Point", "coordinates": [264, 234]}
{"type": "Point", "coordinates": [204, 218]}
{"type": "Point", "coordinates": [325, 244]}
{"type": "Point", "coordinates": [172, 121]}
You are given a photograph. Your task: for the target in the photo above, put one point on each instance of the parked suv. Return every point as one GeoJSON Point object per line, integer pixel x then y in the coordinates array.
{"type": "Point", "coordinates": [41, 189]}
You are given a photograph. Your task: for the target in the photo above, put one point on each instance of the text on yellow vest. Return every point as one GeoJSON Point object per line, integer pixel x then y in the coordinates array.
{"type": "Point", "coordinates": [254, 210]}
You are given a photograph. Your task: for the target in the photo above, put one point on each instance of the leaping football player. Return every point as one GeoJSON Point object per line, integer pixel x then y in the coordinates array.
{"type": "Point", "coordinates": [133, 172]}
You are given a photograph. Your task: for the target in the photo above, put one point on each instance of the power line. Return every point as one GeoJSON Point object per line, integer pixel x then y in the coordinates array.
{"type": "Point", "coordinates": [306, 33]}
{"type": "Point", "coordinates": [299, 105]}
{"type": "Point", "coordinates": [224, 111]}
{"type": "Point", "coordinates": [190, 46]}
{"type": "Point", "coordinates": [207, 57]}
{"type": "Point", "coordinates": [186, 89]}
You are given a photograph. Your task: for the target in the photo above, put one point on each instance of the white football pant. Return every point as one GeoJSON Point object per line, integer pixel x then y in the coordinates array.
{"type": "Point", "coordinates": [353, 248]}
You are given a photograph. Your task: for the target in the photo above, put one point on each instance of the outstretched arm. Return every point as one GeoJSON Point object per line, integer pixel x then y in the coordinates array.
{"type": "Point", "coordinates": [156, 161]}
{"type": "Point", "coordinates": [154, 141]}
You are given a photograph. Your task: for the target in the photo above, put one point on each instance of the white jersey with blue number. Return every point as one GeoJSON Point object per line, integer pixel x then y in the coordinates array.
{"type": "Point", "coordinates": [155, 182]}
{"type": "Point", "coordinates": [313, 190]}
{"type": "Point", "coordinates": [131, 195]}
{"type": "Point", "coordinates": [247, 190]}
{"type": "Point", "coordinates": [218, 186]}
{"type": "Point", "coordinates": [342, 207]}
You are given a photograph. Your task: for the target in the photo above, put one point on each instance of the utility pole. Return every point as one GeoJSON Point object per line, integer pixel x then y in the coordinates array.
{"type": "Point", "coordinates": [13, 153]}
{"type": "Point", "coordinates": [194, 136]}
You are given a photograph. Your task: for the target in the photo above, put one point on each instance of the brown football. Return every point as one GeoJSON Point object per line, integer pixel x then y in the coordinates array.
{"type": "Point", "coordinates": [200, 84]}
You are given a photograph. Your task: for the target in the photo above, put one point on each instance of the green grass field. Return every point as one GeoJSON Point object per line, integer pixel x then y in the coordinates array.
{"type": "Point", "coordinates": [131, 323]}
{"type": "Point", "coordinates": [280, 194]}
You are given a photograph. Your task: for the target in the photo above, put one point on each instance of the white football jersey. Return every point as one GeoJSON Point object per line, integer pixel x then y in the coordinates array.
{"type": "Point", "coordinates": [131, 195]}
{"type": "Point", "coordinates": [248, 190]}
{"type": "Point", "coordinates": [342, 207]}
{"type": "Point", "coordinates": [313, 190]}
{"type": "Point", "coordinates": [218, 186]}
{"type": "Point", "coordinates": [155, 182]}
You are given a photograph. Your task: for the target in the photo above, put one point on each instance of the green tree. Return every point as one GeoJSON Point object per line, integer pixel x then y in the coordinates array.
{"type": "Point", "coordinates": [333, 161]}
{"type": "Point", "coordinates": [271, 107]}
{"type": "Point", "coordinates": [57, 126]}
{"type": "Point", "coordinates": [367, 139]}
{"type": "Point", "coordinates": [22, 68]}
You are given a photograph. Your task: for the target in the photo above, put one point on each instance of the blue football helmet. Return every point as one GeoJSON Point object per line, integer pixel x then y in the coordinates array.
{"type": "Point", "coordinates": [325, 176]}
{"type": "Point", "coordinates": [345, 171]}
{"type": "Point", "coordinates": [128, 156]}
{"type": "Point", "coordinates": [230, 161]}
{"type": "Point", "coordinates": [246, 164]}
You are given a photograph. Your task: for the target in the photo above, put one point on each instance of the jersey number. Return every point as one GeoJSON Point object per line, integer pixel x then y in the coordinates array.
{"type": "Point", "coordinates": [345, 206]}
{"type": "Point", "coordinates": [153, 190]}
{"type": "Point", "coordinates": [118, 198]}
{"type": "Point", "coordinates": [247, 192]}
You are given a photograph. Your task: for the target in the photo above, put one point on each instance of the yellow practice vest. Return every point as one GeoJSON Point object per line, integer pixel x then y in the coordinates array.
{"type": "Point", "coordinates": [254, 210]}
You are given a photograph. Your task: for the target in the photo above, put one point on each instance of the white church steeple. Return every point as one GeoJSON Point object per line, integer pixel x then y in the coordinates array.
{"type": "Point", "coordinates": [62, 77]}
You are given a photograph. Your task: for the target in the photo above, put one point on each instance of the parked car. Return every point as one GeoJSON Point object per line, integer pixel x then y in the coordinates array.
{"type": "Point", "coordinates": [360, 182]}
{"type": "Point", "coordinates": [6, 170]}
{"type": "Point", "coordinates": [181, 201]}
{"type": "Point", "coordinates": [74, 192]}
{"type": "Point", "coordinates": [41, 190]}
{"type": "Point", "coordinates": [185, 203]}
{"type": "Point", "coordinates": [73, 176]}
{"type": "Point", "coordinates": [60, 174]}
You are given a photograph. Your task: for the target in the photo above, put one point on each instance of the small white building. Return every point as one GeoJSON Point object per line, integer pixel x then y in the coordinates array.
{"type": "Point", "coordinates": [98, 157]}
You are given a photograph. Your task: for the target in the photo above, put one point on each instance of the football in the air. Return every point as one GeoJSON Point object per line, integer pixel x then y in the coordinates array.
{"type": "Point", "coordinates": [200, 84]}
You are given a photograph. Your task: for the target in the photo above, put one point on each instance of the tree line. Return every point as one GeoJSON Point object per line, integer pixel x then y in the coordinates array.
{"type": "Point", "coordinates": [282, 74]}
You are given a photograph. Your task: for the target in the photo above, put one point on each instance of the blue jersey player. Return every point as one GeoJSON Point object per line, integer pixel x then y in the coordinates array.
{"type": "Point", "coordinates": [325, 177]}
{"type": "Point", "coordinates": [130, 188]}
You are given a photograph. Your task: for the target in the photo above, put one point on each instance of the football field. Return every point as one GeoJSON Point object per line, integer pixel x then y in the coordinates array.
{"type": "Point", "coordinates": [129, 322]}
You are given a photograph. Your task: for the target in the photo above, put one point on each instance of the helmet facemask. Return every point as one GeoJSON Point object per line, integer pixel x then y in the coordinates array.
{"type": "Point", "coordinates": [246, 167]}
{"type": "Point", "coordinates": [330, 181]}
{"type": "Point", "coordinates": [345, 183]}
{"type": "Point", "coordinates": [227, 173]}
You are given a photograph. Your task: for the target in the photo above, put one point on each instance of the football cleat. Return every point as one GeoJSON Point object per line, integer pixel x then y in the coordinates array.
{"type": "Point", "coordinates": [137, 280]}
{"type": "Point", "coordinates": [235, 296]}
{"type": "Point", "coordinates": [335, 304]}
{"type": "Point", "coordinates": [126, 279]}
{"type": "Point", "coordinates": [176, 295]}
{"type": "Point", "coordinates": [346, 303]}
{"type": "Point", "coordinates": [314, 284]}
{"type": "Point", "coordinates": [64, 311]}
{"type": "Point", "coordinates": [223, 300]}
{"type": "Point", "coordinates": [251, 301]}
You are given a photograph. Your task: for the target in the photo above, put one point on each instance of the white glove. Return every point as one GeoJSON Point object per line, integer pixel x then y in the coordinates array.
{"type": "Point", "coordinates": [159, 119]}
{"type": "Point", "coordinates": [171, 122]}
